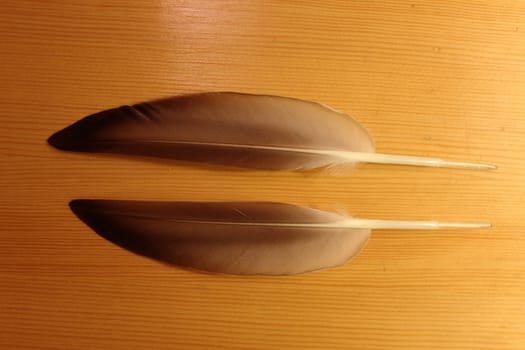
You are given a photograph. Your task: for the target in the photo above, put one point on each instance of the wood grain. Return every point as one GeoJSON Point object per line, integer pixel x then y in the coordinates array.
{"type": "Point", "coordinates": [432, 78]}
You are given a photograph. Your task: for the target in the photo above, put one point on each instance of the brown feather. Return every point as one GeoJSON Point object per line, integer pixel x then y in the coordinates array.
{"type": "Point", "coordinates": [242, 130]}
{"type": "Point", "coordinates": [226, 237]}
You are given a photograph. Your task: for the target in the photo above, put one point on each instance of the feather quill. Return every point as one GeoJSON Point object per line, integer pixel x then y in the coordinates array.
{"type": "Point", "coordinates": [240, 238]}
{"type": "Point", "coordinates": [234, 129]}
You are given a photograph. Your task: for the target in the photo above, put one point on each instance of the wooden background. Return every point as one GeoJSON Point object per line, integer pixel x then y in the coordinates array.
{"type": "Point", "coordinates": [431, 78]}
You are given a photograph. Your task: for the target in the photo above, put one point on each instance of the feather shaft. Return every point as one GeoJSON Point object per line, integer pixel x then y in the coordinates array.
{"type": "Point", "coordinates": [411, 225]}
{"type": "Point", "coordinates": [344, 156]}
{"type": "Point", "coordinates": [357, 223]}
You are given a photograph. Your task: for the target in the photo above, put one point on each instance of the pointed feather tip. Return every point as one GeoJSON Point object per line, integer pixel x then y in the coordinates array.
{"type": "Point", "coordinates": [78, 207]}
{"type": "Point", "coordinates": [85, 210]}
{"type": "Point", "coordinates": [76, 204]}
{"type": "Point", "coordinates": [80, 135]}
{"type": "Point", "coordinates": [72, 137]}
{"type": "Point", "coordinates": [59, 140]}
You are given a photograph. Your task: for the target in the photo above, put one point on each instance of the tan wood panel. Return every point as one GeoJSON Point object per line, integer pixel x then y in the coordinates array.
{"type": "Point", "coordinates": [432, 78]}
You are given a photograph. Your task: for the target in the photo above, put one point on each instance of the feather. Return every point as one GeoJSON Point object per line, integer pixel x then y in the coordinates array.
{"type": "Point", "coordinates": [236, 237]}
{"type": "Point", "coordinates": [233, 129]}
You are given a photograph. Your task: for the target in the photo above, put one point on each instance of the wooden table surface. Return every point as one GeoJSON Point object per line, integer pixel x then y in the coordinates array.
{"type": "Point", "coordinates": [431, 78]}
